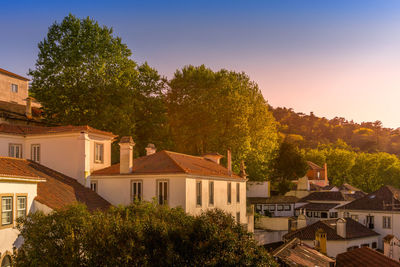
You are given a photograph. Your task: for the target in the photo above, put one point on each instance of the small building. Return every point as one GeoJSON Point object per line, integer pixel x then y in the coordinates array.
{"type": "Point", "coordinates": [274, 206]}
{"type": "Point", "coordinates": [334, 236]}
{"type": "Point", "coordinates": [364, 256]}
{"type": "Point", "coordinates": [295, 253]}
{"type": "Point", "coordinates": [317, 175]}
{"type": "Point", "coordinates": [391, 247]}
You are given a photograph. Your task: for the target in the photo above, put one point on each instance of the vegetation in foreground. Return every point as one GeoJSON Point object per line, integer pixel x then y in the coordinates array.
{"type": "Point", "coordinates": [142, 234]}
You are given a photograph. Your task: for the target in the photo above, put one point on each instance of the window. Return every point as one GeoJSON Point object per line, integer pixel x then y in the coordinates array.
{"type": "Point", "coordinates": [370, 222]}
{"type": "Point", "coordinates": [352, 248]}
{"type": "Point", "coordinates": [238, 193]}
{"type": "Point", "coordinates": [280, 208]}
{"type": "Point", "coordinates": [35, 153]}
{"type": "Point", "coordinates": [14, 88]}
{"type": "Point", "coordinates": [258, 208]}
{"type": "Point", "coordinates": [15, 150]}
{"type": "Point", "coordinates": [365, 245]}
{"type": "Point", "coordinates": [318, 174]}
{"type": "Point", "coordinates": [21, 206]}
{"type": "Point", "coordinates": [99, 153]}
{"type": "Point", "coordinates": [333, 214]}
{"type": "Point", "coordinates": [346, 214]}
{"type": "Point", "coordinates": [238, 217]}
{"type": "Point", "coordinates": [198, 193]}
{"type": "Point", "coordinates": [387, 222]}
{"type": "Point", "coordinates": [229, 192]}
{"type": "Point", "coordinates": [93, 186]}
{"type": "Point", "coordinates": [317, 214]}
{"type": "Point", "coordinates": [272, 207]}
{"type": "Point", "coordinates": [288, 207]}
{"type": "Point", "coordinates": [324, 215]}
{"type": "Point", "coordinates": [137, 191]}
{"type": "Point", "coordinates": [162, 192]}
{"type": "Point", "coordinates": [6, 210]}
{"type": "Point", "coordinates": [211, 193]}
{"type": "Point", "coordinates": [374, 245]}
{"type": "Point", "coordinates": [309, 214]}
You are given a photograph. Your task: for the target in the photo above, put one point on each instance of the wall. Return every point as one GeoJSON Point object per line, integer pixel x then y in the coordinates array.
{"type": "Point", "coordinates": [391, 249]}
{"type": "Point", "coordinates": [258, 189]}
{"type": "Point", "coordinates": [5, 89]}
{"type": "Point", "coordinates": [273, 224]}
{"type": "Point", "coordinates": [9, 235]}
{"type": "Point", "coordinates": [264, 237]}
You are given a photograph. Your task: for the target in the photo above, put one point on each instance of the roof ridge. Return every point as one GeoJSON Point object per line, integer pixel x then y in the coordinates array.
{"type": "Point", "coordinates": [174, 161]}
{"type": "Point", "coordinates": [183, 154]}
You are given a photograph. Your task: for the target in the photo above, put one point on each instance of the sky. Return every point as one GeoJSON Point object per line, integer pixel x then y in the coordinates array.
{"type": "Point", "coordinates": [334, 58]}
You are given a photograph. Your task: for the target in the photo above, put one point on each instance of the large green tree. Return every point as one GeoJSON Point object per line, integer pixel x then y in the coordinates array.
{"type": "Point", "coordinates": [84, 75]}
{"type": "Point", "coordinates": [213, 111]}
{"type": "Point", "coordinates": [143, 234]}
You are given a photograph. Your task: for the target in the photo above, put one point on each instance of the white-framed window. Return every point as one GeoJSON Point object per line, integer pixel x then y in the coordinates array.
{"type": "Point", "coordinates": [198, 193]}
{"type": "Point", "coordinates": [35, 152]}
{"type": "Point", "coordinates": [238, 192]}
{"type": "Point", "coordinates": [211, 193]}
{"type": "Point", "coordinates": [387, 222]}
{"type": "Point", "coordinates": [15, 150]}
{"type": "Point", "coordinates": [288, 207]}
{"type": "Point", "coordinates": [280, 207]}
{"type": "Point", "coordinates": [98, 153]}
{"type": "Point", "coordinates": [93, 186]}
{"type": "Point", "coordinates": [14, 88]}
{"type": "Point", "coordinates": [137, 190]}
{"type": "Point", "coordinates": [162, 192]}
{"type": "Point", "coordinates": [238, 217]}
{"type": "Point", "coordinates": [6, 210]}
{"type": "Point", "coordinates": [21, 206]}
{"type": "Point", "coordinates": [271, 207]}
{"type": "Point", "coordinates": [229, 192]}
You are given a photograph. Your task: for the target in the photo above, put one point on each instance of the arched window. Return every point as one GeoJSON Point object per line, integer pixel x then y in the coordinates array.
{"type": "Point", "coordinates": [6, 262]}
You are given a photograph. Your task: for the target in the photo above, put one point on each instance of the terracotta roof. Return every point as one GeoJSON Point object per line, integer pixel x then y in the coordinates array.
{"type": "Point", "coordinates": [57, 190]}
{"type": "Point", "coordinates": [364, 257]}
{"type": "Point", "coordinates": [17, 111]}
{"type": "Point", "coordinates": [326, 196]}
{"type": "Point", "coordinates": [375, 200]}
{"type": "Point", "coordinates": [294, 253]}
{"type": "Point", "coordinates": [349, 187]}
{"type": "Point", "coordinates": [29, 129]}
{"type": "Point", "coordinates": [167, 162]}
{"type": "Point", "coordinates": [273, 200]}
{"type": "Point", "coordinates": [6, 72]}
{"type": "Point", "coordinates": [318, 206]}
{"type": "Point", "coordinates": [353, 230]}
{"type": "Point", "coordinates": [314, 166]}
{"type": "Point", "coordinates": [388, 238]}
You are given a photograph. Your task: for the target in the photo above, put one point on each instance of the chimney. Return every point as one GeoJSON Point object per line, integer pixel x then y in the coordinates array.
{"type": "Point", "coordinates": [150, 149]}
{"type": "Point", "coordinates": [243, 173]}
{"type": "Point", "coordinates": [326, 174]}
{"type": "Point", "coordinates": [28, 111]}
{"type": "Point", "coordinates": [215, 157]}
{"type": "Point", "coordinates": [126, 156]}
{"type": "Point", "coordinates": [341, 227]}
{"type": "Point", "coordinates": [301, 221]}
{"type": "Point", "coordinates": [229, 163]}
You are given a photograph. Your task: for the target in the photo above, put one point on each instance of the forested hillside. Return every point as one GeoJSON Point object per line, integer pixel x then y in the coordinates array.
{"type": "Point", "coordinates": [309, 131]}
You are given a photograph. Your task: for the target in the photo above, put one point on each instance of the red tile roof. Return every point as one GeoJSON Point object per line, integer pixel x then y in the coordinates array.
{"type": "Point", "coordinates": [6, 72]}
{"type": "Point", "coordinates": [353, 230]}
{"type": "Point", "coordinates": [167, 162]}
{"type": "Point", "coordinates": [17, 111]}
{"type": "Point", "coordinates": [375, 201]}
{"type": "Point", "coordinates": [327, 196]}
{"type": "Point", "coordinates": [57, 190]}
{"type": "Point", "coordinates": [29, 129]}
{"type": "Point", "coordinates": [364, 257]}
{"type": "Point", "coordinates": [314, 166]}
{"type": "Point", "coordinates": [318, 206]}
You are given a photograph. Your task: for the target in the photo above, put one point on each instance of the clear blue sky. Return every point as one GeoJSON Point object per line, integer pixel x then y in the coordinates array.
{"type": "Point", "coordinates": [335, 58]}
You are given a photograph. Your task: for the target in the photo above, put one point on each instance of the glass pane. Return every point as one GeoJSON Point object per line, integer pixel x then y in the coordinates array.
{"type": "Point", "coordinates": [165, 192]}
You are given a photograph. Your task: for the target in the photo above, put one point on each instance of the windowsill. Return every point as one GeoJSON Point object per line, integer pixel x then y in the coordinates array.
{"type": "Point", "coordinates": [99, 162]}
{"type": "Point", "coordinates": [7, 226]}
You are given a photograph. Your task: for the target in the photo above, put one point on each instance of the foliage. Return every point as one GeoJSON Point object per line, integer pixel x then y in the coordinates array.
{"type": "Point", "coordinates": [143, 234]}
{"type": "Point", "coordinates": [213, 111]}
{"type": "Point", "coordinates": [84, 76]}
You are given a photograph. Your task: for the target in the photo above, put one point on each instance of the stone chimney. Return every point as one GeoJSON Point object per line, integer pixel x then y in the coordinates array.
{"type": "Point", "coordinates": [215, 157]}
{"type": "Point", "coordinates": [229, 161]}
{"type": "Point", "coordinates": [150, 149]}
{"type": "Point", "coordinates": [28, 111]}
{"type": "Point", "coordinates": [243, 173]}
{"type": "Point", "coordinates": [126, 145]}
{"type": "Point", "coordinates": [301, 221]}
{"type": "Point", "coordinates": [341, 227]}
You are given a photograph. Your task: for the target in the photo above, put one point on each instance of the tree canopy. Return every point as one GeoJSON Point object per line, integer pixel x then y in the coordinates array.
{"type": "Point", "coordinates": [214, 111]}
{"type": "Point", "coordinates": [142, 234]}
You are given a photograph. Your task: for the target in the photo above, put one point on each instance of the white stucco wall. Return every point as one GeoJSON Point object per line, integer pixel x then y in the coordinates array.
{"type": "Point", "coordinates": [9, 235]}
{"type": "Point", "coordinates": [258, 189]}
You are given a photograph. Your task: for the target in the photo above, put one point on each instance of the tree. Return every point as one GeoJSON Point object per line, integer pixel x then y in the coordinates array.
{"type": "Point", "coordinates": [143, 234]}
{"type": "Point", "coordinates": [84, 76]}
{"type": "Point", "coordinates": [213, 111]}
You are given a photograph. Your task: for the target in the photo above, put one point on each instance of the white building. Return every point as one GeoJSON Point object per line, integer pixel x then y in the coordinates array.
{"type": "Point", "coordinates": [379, 211]}
{"type": "Point", "coordinates": [193, 183]}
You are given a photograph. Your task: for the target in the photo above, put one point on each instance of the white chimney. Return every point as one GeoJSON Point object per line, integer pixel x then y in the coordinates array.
{"type": "Point", "coordinates": [28, 111]}
{"type": "Point", "coordinates": [341, 227]}
{"type": "Point", "coordinates": [126, 156]}
{"type": "Point", "coordinates": [301, 221]}
{"type": "Point", "coordinates": [150, 149]}
{"type": "Point", "coordinates": [215, 157]}
{"type": "Point", "coordinates": [229, 163]}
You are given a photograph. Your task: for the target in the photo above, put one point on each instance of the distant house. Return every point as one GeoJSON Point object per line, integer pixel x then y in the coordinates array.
{"type": "Point", "coordinates": [275, 206]}
{"type": "Point", "coordinates": [317, 175]}
{"type": "Point", "coordinates": [364, 256]}
{"type": "Point", "coordinates": [334, 236]}
{"type": "Point", "coordinates": [379, 210]}
{"type": "Point", "coordinates": [296, 253]}
{"type": "Point", "coordinates": [16, 107]}
{"type": "Point", "coordinates": [26, 186]}
{"type": "Point", "coordinates": [192, 182]}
